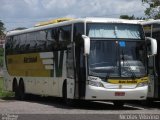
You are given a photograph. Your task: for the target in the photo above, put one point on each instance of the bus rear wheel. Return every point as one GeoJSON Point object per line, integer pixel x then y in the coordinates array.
{"type": "Point", "coordinates": [16, 90]}
{"type": "Point", "coordinates": [21, 90]}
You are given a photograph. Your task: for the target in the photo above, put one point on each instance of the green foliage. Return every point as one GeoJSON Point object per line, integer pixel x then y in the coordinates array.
{"type": "Point", "coordinates": [4, 94]}
{"type": "Point", "coordinates": [153, 11]}
{"type": "Point", "coordinates": [1, 57]}
{"type": "Point", "coordinates": [131, 17]}
{"type": "Point", "coordinates": [1, 51]}
{"type": "Point", "coordinates": [1, 61]}
{"type": "Point", "coordinates": [2, 28]}
{"type": "Point", "coordinates": [127, 17]}
{"type": "Point", "coordinates": [20, 28]}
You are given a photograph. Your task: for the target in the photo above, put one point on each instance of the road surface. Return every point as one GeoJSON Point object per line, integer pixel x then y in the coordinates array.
{"type": "Point", "coordinates": [52, 108]}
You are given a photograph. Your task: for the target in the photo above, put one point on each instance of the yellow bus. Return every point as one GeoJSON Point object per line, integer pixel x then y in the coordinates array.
{"type": "Point", "coordinates": [79, 59]}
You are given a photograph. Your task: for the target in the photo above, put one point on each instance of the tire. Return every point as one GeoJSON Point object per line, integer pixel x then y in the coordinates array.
{"type": "Point", "coordinates": [69, 102]}
{"type": "Point", "coordinates": [148, 102]}
{"type": "Point", "coordinates": [21, 90]}
{"type": "Point", "coordinates": [16, 90]}
{"type": "Point", "coordinates": [118, 104]}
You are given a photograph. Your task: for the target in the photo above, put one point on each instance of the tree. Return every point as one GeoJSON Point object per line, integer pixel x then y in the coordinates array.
{"type": "Point", "coordinates": [153, 9]}
{"type": "Point", "coordinates": [20, 28]}
{"type": "Point", "coordinates": [1, 37]}
{"type": "Point", "coordinates": [2, 28]}
{"type": "Point", "coordinates": [127, 17]}
{"type": "Point", "coordinates": [131, 17]}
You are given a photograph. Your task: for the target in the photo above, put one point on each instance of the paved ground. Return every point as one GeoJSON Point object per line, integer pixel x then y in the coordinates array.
{"type": "Point", "coordinates": [55, 108]}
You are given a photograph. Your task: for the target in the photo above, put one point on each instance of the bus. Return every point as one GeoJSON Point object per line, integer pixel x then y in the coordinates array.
{"type": "Point", "coordinates": [79, 59]}
{"type": "Point", "coordinates": [152, 29]}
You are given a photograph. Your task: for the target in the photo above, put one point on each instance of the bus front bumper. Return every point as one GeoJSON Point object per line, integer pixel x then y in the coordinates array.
{"type": "Point", "coordinates": [100, 93]}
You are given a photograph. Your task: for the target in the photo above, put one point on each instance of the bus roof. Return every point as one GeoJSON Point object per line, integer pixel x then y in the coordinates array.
{"type": "Point", "coordinates": [90, 20]}
{"type": "Point", "coordinates": [148, 22]}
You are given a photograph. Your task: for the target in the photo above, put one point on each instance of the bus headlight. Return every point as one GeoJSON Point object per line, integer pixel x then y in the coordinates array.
{"type": "Point", "coordinates": [95, 83]}
{"type": "Point", "coordinates": [142, 84]}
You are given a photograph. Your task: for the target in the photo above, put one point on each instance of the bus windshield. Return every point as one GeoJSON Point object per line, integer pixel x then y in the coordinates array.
{"type": "Point", "coordinates": [109, 58]}
{"type": "Point", "coordinates": [99, 30]}
{"type": "Point", "coordinates": [117, 57]}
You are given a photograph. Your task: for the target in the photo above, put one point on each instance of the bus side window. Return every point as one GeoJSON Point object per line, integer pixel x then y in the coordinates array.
{"type": "Point", "coordinates": [49, 36]}
{"type": "Point", "coordinates": [8, 45]}
{"type": "Point", "coordinates": [61, 37]}
{"type": "Point", "coordinates": [78, 32]}
{"type": "Point", "coordinates": [23, 39]}
{"type": "Point", "coordinates": [55, 34]}
{"type": "Point", "coordinates": [65, 33]}
{"type": "Point", "coordinates": [11, 44]}
{"type": "Point", "coordinates": [15, 42]}
{"type": "Point", "coordinates": [50, 40]}
{"type": "Point", "coordinates": [41, 41]}
{"type": "Point", "coordinates": [65, 36]}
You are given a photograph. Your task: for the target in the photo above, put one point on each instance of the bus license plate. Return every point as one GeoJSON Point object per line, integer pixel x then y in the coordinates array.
{"type": "Point", "coordinates": [119, 93]}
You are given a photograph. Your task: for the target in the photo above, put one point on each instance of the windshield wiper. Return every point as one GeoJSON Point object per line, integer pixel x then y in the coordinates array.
{"type": "Point", "coordinates": [127, 63]}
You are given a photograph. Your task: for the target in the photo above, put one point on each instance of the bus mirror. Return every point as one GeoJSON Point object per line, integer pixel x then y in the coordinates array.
{"type": "Point", "coordinates": [86, 44]}
{"type": "Point", "coordinates": [151, 46]}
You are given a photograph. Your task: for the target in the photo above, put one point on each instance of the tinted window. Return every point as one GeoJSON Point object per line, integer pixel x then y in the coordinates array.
{"type": "Point", "coordinates": [61, 37]}
{"type": "Point", "coordinates": [40, 41]}
{"type": "Point", "coordinates": [78, 32]}
{"type": "Point", "coordinates": [64, 36]}
{"type": "Point", "coordinates": [65, 33]}
{"type": "Point", "coordinates": [9, 45]}
{"type": "Point", "coordinates": [41, 35]}
{"type": "Point", "coordinates": [23, 40]}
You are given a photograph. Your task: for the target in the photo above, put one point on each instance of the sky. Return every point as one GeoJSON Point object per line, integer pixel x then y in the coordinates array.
{"type": "Point", "coordinates": [26, 13]}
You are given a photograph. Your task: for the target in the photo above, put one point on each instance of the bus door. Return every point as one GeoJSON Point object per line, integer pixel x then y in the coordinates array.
{"type": "Point", "coordinates": [152, 77]}
{"type": "Point", "coordinates": [71, 83]}
{"type": "Point", "coordinates": [153, 68]}
{"type": "Point", "coordinates": [80, 71]}
{"type": "Point", "coordinates": [156, 35]}
{"type": "Point", "coordinates": [76, 82]}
